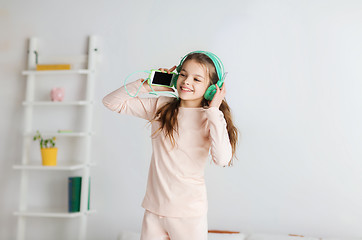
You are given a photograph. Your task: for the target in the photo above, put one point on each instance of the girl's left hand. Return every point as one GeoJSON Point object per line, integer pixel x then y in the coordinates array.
{"type": "Point", "coordinates": [218, 97]}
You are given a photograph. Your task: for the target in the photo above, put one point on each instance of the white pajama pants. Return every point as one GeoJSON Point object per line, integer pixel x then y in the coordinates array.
{"type": "Point", "coordinates": [155, 227]}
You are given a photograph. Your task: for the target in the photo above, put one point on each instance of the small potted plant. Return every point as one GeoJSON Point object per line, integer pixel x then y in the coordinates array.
{"type": "Point", "coordinates": [48, 150]}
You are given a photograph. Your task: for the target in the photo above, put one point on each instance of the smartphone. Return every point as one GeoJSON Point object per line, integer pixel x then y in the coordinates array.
{"type": "Point", "coordinates": [159, 78]}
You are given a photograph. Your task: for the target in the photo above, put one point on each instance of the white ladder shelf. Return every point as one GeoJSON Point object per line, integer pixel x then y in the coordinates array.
{"type": "Point", "coordinates": [83, 166]}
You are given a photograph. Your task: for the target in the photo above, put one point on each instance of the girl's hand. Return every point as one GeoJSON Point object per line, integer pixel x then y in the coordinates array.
{"type": "Point", "coordinates": [168, 70]}
{"type": "Point", "coordinates": [218, 97]}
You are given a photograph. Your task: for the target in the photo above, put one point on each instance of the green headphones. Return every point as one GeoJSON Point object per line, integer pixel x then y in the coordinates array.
{"type": "Point", "coordinates": [210, 92]}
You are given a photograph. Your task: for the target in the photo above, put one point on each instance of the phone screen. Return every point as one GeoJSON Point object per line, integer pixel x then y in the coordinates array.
{"type": "Point", "coordinates": [161, 78]}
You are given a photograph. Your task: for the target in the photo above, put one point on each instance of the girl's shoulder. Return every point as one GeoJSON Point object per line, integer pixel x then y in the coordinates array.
{"type": "Point", "coordinates": [162, 101]}
{"type": "Point", "coordinates": [165, 99]}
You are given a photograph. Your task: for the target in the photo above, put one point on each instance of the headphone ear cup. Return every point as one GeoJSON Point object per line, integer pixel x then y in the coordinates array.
{"type": "Point", "coordinates": [178, 68]}
{"type": "Point", "coordinates": [175, 81]}
{"type": "Point", "coordinates": [210, 92]}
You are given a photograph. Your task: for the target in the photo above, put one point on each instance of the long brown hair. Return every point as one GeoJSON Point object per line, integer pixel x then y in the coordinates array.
{"type": "Point", "coordinates": [167, 114]}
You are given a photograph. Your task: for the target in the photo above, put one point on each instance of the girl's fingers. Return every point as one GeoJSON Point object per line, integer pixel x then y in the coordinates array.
{"type": "Point", "coordinates": [218, 97]}
{"type": "Point", "coordinates": [223, 86]}
{"type": "Point", "coordinates": [168, 70]}
{"type": "Point", "coordinates": [221, 90]}
{"type": "Point", "coordinates": [173, 68]}
{"type": "Point", "coordinates": [218, 90]}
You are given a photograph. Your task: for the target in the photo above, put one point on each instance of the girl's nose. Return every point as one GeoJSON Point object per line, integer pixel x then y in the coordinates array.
{"type": "Point", "coordinates": [187, 81]}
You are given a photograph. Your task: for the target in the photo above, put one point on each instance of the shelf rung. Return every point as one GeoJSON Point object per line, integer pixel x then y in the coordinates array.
{"type": "Point", "coordinates": [57, 134]}
{"type": "Point", "coordinates": [55, 214]}
{"type": "Point", "coordinates": [59, 167]}
{"type": "Point", "coordinates": [51, 103]}
{"type": "Point", "coordinates": [56, 72]}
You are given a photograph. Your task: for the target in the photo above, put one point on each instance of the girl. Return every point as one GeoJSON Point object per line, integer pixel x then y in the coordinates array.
{"type": "Point", "coordinates": [184, 130]}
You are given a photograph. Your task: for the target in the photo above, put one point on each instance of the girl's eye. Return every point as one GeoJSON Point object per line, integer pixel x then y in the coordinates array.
{"type": "Point", "coordinates": [182, 75]}
{"type": "Point", "coordinates": [197, 80]}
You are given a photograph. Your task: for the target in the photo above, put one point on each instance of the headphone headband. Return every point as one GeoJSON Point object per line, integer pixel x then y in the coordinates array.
{"type": "Point", "coordinates": [219, 67]}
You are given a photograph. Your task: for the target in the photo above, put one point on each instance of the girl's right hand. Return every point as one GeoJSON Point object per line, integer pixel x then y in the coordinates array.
{"type": "Point", "coordinates": [168, 70]}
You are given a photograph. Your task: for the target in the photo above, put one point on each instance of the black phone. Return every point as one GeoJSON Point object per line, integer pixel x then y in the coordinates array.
{"type": "Point", "coordinates": [159, 78]}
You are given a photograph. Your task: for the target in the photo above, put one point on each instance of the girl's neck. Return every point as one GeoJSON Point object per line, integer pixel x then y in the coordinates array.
{"type": "Point", "coordinates": [190, 104]}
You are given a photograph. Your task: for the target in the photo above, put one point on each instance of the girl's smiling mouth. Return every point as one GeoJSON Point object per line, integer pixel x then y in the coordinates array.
{"type": "Point", "coordinates": [185, 89]}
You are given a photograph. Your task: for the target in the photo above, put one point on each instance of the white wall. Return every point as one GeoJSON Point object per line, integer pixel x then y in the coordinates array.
{"type": "Point", "coordinates": [294, 86]}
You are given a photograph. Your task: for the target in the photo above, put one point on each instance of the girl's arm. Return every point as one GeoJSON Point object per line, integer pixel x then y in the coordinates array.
{"type": "Point", "coordinates": [119, 100]}
{"type": "Point", "coordinates": [221, 151]}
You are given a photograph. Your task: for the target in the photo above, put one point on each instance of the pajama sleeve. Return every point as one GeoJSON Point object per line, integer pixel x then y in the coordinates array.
{"type": "Point", "coordinates": [119, 101]}
{"type": "Point", "coordinates": [221, 151]}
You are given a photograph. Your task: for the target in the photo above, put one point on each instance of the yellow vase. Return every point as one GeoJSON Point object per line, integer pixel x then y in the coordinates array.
{"type": "Point", "coordinates": [49, 156]}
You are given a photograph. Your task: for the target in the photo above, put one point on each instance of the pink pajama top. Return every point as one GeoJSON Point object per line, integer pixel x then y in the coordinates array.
{"type": "Point", "coordinates": [176, 185]}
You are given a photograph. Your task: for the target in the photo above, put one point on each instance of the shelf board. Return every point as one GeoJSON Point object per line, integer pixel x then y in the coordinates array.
{"type": "Point", "coordinates": [57, 134]}
{"type": "Point", "coordinates": [58, 167]}
{"type": "Point", "coordinates": [52, 214]}
{"type": "Point", "coordinates": [51, 103]}
{"type": "Point", "coordinates": [56, 72]}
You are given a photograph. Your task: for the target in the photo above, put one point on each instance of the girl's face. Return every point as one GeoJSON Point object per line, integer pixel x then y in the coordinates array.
{"type": "Point", "coordinates": [192, 84]}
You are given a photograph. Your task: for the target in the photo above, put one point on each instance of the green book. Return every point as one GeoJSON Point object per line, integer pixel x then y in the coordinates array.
{"type": "Point", "coordinates": [89, 188]}
{"type": "Point", "coordinates": [74, 191]}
